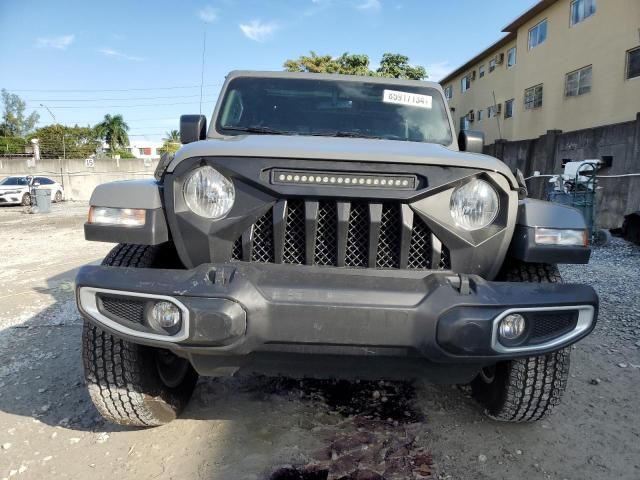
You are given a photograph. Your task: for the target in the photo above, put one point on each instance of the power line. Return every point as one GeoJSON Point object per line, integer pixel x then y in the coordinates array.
{"type": "Point", "coordinates": [114, 90]}
{"type": "Point", "coordinates": [127, 106]}
{"type": "Point", "coordinates": [107, 99]}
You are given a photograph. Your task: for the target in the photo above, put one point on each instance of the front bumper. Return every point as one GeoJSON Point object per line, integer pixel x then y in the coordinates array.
{"type": "Point", "coordinates": [240, 309]}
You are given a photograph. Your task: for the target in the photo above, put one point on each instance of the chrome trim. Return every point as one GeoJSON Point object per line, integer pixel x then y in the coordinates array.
{"type": "Point", "coordinates": [585, 320]}
{"type": "Point", "coordinates": [87, 300]}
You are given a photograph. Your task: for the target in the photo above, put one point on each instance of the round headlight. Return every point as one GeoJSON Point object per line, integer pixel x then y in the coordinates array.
{"type": "Point", "coordinates": [208, 193]}
{"type": "Point", "coordinates": [474, 205]}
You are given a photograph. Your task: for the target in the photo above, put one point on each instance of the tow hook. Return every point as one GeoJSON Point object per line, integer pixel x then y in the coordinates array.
{"type": "Point", "coordinates": [461, 282]}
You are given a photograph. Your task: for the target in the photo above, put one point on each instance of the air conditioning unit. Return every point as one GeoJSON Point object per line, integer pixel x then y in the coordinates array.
{"type": "Point", "coordinates": [473, 75]}
{"type": "Point", "coordinates": [500, 58]}
{"type": "Point", "coordinates": [499, 108]}
{"type": "Point", "coordinates": [471, 116]}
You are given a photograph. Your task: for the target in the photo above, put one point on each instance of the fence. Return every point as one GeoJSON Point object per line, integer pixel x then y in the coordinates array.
{"type": "Point", "coordinates": [78, 176]}
{"type": "Point", "coordinates": [620, 192]}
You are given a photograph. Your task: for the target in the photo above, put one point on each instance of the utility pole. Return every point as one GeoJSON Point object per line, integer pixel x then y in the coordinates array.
{"type": "Point", "coordinates": [64, 149]}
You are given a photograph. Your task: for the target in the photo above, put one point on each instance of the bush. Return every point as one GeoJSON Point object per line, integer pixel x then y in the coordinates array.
{"type": "Point", "coordinates": [12, 145]}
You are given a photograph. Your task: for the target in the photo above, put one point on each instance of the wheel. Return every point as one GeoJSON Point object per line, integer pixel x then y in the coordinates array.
{"type": "Point", "coordinates": [58, 197]}
{"type": "Point", "coordinates": [601, 237]}
{"type": "Point", "coordinates": [26, 200]}
{"type": "Point", "coordinates": [132, 384]}
{"type": "Point", "coordinates": [524, 389]}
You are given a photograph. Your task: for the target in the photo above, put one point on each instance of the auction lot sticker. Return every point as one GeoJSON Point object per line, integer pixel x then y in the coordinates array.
{"type": "Point", "coordinates": [407, 98]}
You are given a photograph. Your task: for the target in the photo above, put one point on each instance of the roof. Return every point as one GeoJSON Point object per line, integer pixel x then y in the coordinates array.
{"type": "Point", "coordinates": [511, 31]}
{"type": "Point", "coordinates": [500, 43]}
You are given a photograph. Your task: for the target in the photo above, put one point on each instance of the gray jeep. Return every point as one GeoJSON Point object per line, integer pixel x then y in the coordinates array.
{"type": "Point", "coordinates": [330, 226]}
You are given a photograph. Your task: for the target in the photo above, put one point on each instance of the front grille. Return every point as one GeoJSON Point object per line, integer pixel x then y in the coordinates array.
{"type": "Point", "coordinates": [548, 325]}
{"type": "Point", "coordinates": [130, 309]}
{"type": "Point", "coordinates": [401, 239]}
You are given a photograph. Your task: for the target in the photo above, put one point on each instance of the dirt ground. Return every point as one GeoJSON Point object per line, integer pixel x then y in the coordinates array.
{"type": "Point", "coordinates": [254, 427]}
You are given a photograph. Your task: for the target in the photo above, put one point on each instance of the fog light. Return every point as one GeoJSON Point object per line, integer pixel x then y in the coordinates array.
{"type": "Point", "coordinates": [166, 316]}
{"type": "Point", "coordinates": [512, 326]}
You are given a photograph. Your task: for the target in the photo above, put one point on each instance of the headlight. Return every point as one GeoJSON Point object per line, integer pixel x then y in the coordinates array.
{"type": "Point", "coordinates": [208, 193]}
{"type": "Point", "coordinates": [474, 205]}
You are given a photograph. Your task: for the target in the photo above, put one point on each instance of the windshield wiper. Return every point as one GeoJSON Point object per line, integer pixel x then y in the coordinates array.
{"type": "Point", "coordinates": [257, 129]}
{"type": "Point", "coordinates": [344, 133]}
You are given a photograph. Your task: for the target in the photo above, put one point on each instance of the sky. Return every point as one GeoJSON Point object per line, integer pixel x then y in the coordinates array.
{"type": "Point", "coordinates": [84, 59]}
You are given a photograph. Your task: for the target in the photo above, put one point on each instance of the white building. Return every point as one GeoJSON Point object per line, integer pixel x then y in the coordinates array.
{"type": "Point", "coordinates": [146, 149]}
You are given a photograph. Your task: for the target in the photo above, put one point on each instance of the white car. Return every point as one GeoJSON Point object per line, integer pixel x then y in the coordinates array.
{"type": "Point", "coordinates": [17, 190]}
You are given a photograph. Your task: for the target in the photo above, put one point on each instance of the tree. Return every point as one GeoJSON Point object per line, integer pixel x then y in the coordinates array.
{"type": "Point", "coordinates": [397, 66]}
{"type": "Point", "coordinates": [113, 130]}
{"type": "Point", "coordinates": [79, 142]}
{"type": "Point", "coordinates": [171, 142]}
{"type": "Point", "coordinates": [14, 123]}
{"type": "Point", "coordinates": [391, 65]}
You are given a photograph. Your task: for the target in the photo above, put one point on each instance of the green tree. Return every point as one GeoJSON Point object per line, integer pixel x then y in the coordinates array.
{"type": "Point", "coordinates": [397, 66]}
{"type": "Point", "coordinates": [171, 142]}
{"type": "Point", "coordinates": [14, 123]}
{"type": "Point", "coordinates": [391, 65]}
{"type": "Point", "coordinates": [79, 142]}
{"type": "Point", "coordinates": [113, 130]}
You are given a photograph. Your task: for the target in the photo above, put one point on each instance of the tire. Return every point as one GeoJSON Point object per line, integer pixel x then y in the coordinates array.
{"type": "Point", "coordinates": [26, 200]}
{"type": "Point", "coordinates": [132, 384]}
{"type": "Point", "coordinates": [58, 197]}
{"type": "Point", "coordinates": [524, 389]}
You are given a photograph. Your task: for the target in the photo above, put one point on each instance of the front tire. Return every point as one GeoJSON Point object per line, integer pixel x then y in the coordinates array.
{"type": "Point", "coordinates": [132, 384]}
{"type": "Point", "coordinates": [524, 389]}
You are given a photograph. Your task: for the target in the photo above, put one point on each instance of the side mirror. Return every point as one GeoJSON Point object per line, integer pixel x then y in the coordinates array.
{"type": "Point", "coordinates": [471, 141]}
{"type": "Point", "coordinates": [192, 128]}
{"type": "Point", "coordinates": [36, 184]}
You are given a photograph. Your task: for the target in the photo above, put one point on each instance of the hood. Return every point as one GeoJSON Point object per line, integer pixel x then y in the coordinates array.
{"type": "Point", "coordinates": [346, 149]}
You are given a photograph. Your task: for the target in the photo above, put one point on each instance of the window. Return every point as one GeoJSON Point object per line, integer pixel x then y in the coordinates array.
{"type": "Point", "coordinates": [538, 34]}
{"type": "Point", "coordinates": [633, 63]}
{"type": "Point", "coordinates": [464, 123]}
{"type": "Point", "coordinates": [254, 105]}
{"type": "Point", "coordinates": [511, 57]}
{"type": "Point", "coordinates": [578, 82]}
{"type": "Point", "coordinates": [492, 65]}
{"type": "Point", "coordinates": [145, 151]}
{"type": "Point", "coordinates": [44, 181]}
{"type": "Point", "coordinates": [581, 10]}
{"type": "Point", "coordinates": [491, 111]}
{"type": "Point", "coordinates": [448, 92]}
{"type": "Point", "coordinates": [508, 108]}
{"type": "Point", "coordinates": [479, 115]}
{"type": "Point", "coordinates": [533, 97]}
{"type": "Point", "coordinates": [465, 83]}
{"type": "Point", "coordinates": [481, 71]}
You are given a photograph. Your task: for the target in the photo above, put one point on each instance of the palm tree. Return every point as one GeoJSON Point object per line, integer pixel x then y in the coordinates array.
{"type": "Point", "coordinates": [114, 131]}
{"type": "Point", "coordinates": [172, 136]}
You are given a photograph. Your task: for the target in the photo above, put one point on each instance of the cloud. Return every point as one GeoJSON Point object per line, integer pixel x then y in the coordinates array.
{"type": "Point", "coordinates": [258, 31]}
{"type": "Point", "coordinates": [208, 14]}
{"type": "Point", "coordinates": [370, 5]}
{"type": "Point", "coordinates": [60, 43]}
{"type": "Point", "coordinates": [110, 52]}
{"type": "Point", "coordinates": [438, 70]}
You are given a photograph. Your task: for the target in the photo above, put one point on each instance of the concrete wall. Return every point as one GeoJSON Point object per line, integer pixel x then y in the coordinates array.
{"type": "Point", "coordinates": [617, 197]}
{"type": "Point", "coordinates": [601, 41]}
{"type": "Point", "coordinates": [78, 178]}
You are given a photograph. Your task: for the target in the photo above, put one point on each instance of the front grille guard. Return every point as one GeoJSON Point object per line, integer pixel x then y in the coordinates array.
{"type": "Point", "coordinates": [342, 234]}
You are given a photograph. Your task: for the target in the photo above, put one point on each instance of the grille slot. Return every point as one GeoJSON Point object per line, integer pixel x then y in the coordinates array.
{"type": "Point", "coordinates": [389, 242]}
{"type": "Point", "coordinates": [357, 229]}
{"type": "Point", "coordinates": [262, 250]}
{"type": "Point", "coordinates": [130, 309]}
{"type": "Point", "coordinates": [294, 240]}
{"type": "Point", "coordinates": [357, 254]}
{"type": "Point", "coordinates": [326, 251]}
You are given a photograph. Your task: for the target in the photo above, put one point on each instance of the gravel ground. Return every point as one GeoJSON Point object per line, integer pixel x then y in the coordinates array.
{"type": "Point", "coordinates": [274, 429]}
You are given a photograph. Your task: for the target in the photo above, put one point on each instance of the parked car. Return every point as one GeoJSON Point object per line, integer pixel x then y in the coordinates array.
{"type": "Point", "coordinates": [17, 190]}
{"type": "Point", "coordinates": [330, 225]}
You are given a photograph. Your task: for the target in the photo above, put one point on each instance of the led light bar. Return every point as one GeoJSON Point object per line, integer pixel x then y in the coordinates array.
{"type": "Point", "coordinates": [341, 179]}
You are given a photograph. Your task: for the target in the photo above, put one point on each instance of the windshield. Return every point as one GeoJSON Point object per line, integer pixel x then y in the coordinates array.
{"type": "Point", "coordinates": [15, 181]}
{"type": "Point", "coordinates": [333, 108]}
